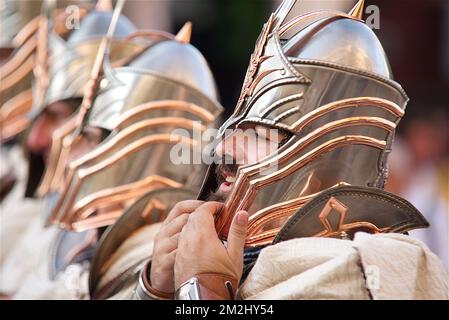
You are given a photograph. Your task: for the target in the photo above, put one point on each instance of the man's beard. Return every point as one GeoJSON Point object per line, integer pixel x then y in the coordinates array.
{"type": "Point", "coordinates": [218, 195]}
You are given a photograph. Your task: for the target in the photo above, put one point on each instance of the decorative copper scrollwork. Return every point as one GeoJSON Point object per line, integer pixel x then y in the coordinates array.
{"type": "Point", "coordinates": [334, 205]}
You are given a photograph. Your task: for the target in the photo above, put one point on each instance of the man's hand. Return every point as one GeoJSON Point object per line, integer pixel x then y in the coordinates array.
{"type": "Point", "coordinates": [201, 251]}
{"type": "Point", "coordinates": [166, 244]}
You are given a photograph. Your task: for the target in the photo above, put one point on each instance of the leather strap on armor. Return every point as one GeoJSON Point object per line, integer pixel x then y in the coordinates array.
{"type": "Point", "coordinates": [144, 290]}
{"type": "Point", "coordinates": [212, 286]}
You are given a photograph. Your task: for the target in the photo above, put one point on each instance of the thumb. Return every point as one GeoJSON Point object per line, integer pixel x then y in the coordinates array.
{"type": "Point", "coordinates": [237, 236]}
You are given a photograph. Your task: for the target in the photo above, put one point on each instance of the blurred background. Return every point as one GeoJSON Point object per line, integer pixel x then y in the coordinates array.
{"type": "Point", "coordinates": [415, 36]}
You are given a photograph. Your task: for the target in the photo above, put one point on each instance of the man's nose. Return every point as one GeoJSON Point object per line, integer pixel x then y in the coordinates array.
{"type": "Point", "coordinates": [39, 138]}
{"type": "Point", "coordinates": [228, 148]}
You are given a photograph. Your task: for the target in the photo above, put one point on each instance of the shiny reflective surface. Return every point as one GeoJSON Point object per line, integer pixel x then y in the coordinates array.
{"type": "Point", "coordinates": [71, 63]}
{"type": "Point", "coordinates": [141, 105]}
{"type": "Point", "coordinates": [329, 86]}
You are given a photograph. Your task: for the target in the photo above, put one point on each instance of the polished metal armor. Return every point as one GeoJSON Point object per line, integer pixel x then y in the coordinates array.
{"type": "Point", "coordinates": [64, 67]}
{"type": "Point", "coordinates": [25, 49]}
{"type": "Point", "coordinates": [70, 62]}
{"type": "Point", "coordinates": [169, 86]}
{"type": "Point", "coordinates": [18, 45]}
{"type": "Point", "coordinates": [329, 88]}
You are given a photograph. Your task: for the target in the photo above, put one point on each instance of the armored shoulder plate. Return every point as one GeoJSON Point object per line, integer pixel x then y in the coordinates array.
{"type": "Point", "coordinates": [70, 248]}
{"type": "Point", "coordinates": [149, 209]}
{"type": "Point", "coordinates": [342, 211]}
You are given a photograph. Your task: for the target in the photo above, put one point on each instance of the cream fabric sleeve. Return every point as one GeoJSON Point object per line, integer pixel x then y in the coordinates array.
{"type": "Point", "coordinates": [383, 266]}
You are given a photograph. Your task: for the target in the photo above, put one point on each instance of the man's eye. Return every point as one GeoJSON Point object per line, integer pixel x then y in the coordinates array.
{"type": "Point", "coordinates": [261, 135]}
{"type": "Point", "coordinates": [57, 116]}
{"type": "Point", "coordinates": [283, 141]}
{"type": "Point", "coordinates": [272, 137]}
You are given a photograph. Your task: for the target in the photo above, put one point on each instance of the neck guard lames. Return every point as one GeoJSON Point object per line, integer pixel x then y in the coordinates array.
{"type": "Point", "coordinates": [329, 86]}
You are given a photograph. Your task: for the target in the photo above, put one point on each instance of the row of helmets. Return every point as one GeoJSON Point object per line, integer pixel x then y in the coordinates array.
{"type": "Point", "coordinates": [326, 85]}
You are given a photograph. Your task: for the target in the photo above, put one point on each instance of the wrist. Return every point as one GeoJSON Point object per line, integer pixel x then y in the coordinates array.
{"type": "Point", "coordinates": [207, 286]}
{"type": "Point", "coordinates": [153, 281]}
{"type": "Point", "coordinates": [148, 289]}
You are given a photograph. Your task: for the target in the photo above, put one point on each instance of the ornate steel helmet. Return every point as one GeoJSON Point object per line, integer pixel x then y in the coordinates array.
{"type": "Point", "coordinates": [70, 61]}
{"type": "Point", "coordinates": [19, 46]}
{"type": "Point", "coordinates": [329, 89]}
{"type": "Point", "coordinates": [64, 67]}
{"type": "Point", "coordinates": [10, 22]}
{"type": "Point", "coordinates": [18, 58]}
{"type": "Point", "coordinates": [167, 87]}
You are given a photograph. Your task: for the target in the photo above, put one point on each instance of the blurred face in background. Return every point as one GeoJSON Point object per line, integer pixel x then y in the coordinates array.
{"type": "Point", "coordinates": [423, 144]}
{"type": "Point", "coordinates": [89, 138]}
{"type": "Point", "coordinates": [51, 118]}
{"type": "Point", "coordinates": [426, 136]}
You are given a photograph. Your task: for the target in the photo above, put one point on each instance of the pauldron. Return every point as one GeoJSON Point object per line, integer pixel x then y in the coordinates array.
{"type": "Point", "coordinates": [341, 212]}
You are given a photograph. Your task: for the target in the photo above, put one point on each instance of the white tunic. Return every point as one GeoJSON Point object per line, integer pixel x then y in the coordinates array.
{"type": "Point", "coordinates": [383, 266]}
